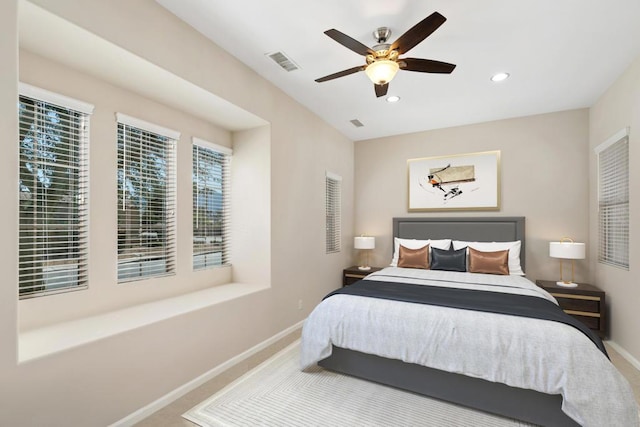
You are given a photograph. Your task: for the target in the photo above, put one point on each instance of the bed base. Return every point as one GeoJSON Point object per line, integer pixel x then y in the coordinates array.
{"type": "Point", "coordinates": [521, 404]}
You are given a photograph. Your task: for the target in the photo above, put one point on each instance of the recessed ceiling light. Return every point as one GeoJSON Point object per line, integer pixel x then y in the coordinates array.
{"type": "Point", "coordinates": [393, 98]}
{"type": "Point", "coordinates": [499, 77]}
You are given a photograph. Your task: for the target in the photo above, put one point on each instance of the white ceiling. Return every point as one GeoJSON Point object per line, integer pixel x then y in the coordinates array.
{"type": "Point", "coordinates": [48, 35]}
{"type": "Point", "coordinates": [560, 54]}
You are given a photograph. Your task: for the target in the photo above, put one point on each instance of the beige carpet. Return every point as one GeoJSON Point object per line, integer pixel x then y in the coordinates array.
{"type": "Point", "coordinates": [277, 393]}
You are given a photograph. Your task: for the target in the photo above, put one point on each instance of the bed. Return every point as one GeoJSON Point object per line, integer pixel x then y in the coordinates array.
{"type": "Point", "coordinates": [534, 370]}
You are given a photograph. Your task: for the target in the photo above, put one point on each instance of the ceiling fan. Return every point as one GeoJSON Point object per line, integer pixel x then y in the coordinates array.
{"type": "Point", "coordinates": [382, 60]}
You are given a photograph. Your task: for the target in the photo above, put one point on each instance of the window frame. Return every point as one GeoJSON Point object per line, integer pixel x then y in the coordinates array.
{"type": "Point", "coordinates": [198, 146]}
{"type": "Point", "coordinates": [333, 213]}
{"type": "Point", "coordinates": [74, 156]}
{"type": "Point", "coordinates": [141, 264]}
{"type": "Point", "coordinates": [613, 201]}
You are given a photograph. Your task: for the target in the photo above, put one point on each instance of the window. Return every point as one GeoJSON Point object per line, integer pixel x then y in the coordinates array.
{"type": "Point", "coordinates": [53, 183]}
{"type": "Point", "coordinates": [146, 199]}
{"type": "Point", "coordinates": [613, 200]}
{"type": "Point", "coordinates": [333, 184]}
{"type": "Point", "coordinates": [211, 204]}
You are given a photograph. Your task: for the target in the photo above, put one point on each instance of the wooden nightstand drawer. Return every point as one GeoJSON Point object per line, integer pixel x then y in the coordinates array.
{"type": "Point", "coordinates": [353, 274]}
{"type": "Point", "coordinates": [349, 279]}
{"type": "Point", "coordinates": [591, 322]}
{"type": "Point", "coordinates": [584, 302]}
{"type": "Point", "coordinates": [571, 303]}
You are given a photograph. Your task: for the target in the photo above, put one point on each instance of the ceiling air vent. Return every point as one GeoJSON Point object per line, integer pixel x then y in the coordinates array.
{"type": "Point", "coordinates": [283, 60]}
{"type": "Point", "coordinates": [357, 123]}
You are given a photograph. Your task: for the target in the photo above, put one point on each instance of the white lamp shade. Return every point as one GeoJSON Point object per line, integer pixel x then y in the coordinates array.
{"type": "Point", "coordinates": [382, 71]}
{"type": "Point", "coordinates": [364, 242]}
{"type": "Point", "coordinates": [567, 250]}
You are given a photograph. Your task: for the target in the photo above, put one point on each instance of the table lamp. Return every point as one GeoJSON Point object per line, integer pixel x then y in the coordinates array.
{"type": "Point", "coordinates": [364, 243]}
{"type": "Point", "coordinates": [567, 249]}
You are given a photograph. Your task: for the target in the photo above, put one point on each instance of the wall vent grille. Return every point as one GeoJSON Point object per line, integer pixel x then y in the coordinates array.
{"type": "Point", "coordinates": [283, 60]}
{"type": "Point", "coordinates": [357, 123]}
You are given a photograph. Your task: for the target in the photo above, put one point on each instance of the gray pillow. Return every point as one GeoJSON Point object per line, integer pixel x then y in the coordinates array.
{"type": "Point", "coordinates": [451, 260]}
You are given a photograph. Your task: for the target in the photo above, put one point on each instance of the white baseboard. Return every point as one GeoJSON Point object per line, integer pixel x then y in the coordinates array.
{"type": "Point", "coordinates": [174, 395]}
{"type": "Point", "coordinates": [624, 353]}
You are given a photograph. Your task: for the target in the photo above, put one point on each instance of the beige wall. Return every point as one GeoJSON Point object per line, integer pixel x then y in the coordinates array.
{"type": "Point", "coordinates": [104, 381]}
{"type": "Point", "coordinates": [619, 107]}
{"type": "Point", "coordinates": [543, 167]}
{"type": "Point", "coordinates": [251, 206]}
{"type": "Point", "coordinates": [8, 186]}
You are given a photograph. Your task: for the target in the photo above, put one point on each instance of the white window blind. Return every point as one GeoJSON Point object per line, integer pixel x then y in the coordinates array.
{"type": "Point", "coordinates": [146, 200]}
{"type": "Point", "coordinates": [333, 184]}
{"type": "Point", "coordinates": [211, 177]}
{"type": "Point", "coordinates": [53, 187]}
{"type": "Point", "coordinates": [613, 200]}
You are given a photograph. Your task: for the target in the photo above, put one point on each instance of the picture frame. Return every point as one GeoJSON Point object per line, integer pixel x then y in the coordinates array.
{"type": "Point", "coordinates": [469, 182]}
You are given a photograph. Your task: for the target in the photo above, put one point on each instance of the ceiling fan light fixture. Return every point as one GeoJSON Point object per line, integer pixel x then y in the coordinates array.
{"type": "Point", "coordinates": [382, 71]}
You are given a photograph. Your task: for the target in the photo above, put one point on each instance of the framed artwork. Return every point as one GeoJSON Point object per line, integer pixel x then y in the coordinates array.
{"type": "Point", "coordinates": [461, 182]}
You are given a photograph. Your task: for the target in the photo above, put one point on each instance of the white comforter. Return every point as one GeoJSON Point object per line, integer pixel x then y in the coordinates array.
{"type": "Point", "coordinates": [546, 356]}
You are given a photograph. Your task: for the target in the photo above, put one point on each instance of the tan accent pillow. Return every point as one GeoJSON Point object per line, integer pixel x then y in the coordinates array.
{"type": "Point", "coordinates": [414, 258]}
{"type": "Point", "coordinates": [489, 262]}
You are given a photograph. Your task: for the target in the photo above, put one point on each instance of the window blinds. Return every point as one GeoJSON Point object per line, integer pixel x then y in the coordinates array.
{"type": "Point", "coordinates": [53, 184]}
{"type": "Point", "coordinates": [333, 184]}
{"type": "Point", "coordinates": [211, 204]}
{"type": "Point", "coordinates": [146, 200]}
{"type": "Point", "coordinates": [613, 201]}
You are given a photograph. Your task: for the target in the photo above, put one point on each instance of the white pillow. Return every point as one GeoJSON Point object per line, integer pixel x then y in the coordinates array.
{"type": "Point", "coordinates": [416, 244]}
{"type": "Point", "coordinates": [513, 247]}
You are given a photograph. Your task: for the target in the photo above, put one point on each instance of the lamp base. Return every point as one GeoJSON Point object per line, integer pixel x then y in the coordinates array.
{"type": "Point", "coordinates": [364, 268]}
{"type": "Point", "coordinates": [567, 284]}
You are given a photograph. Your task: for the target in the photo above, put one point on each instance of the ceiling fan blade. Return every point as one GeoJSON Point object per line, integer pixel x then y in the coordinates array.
{"type": "Point", "coordinates": [341, 73]}
{"type": "Point", "coordinates": [426, 65]}
{"type": "Point", "coordinates": [418, 32]}
{"type": "Point", "coordinates": [349, 42]}
{"type": "Point", "coordinates": [381, 90]}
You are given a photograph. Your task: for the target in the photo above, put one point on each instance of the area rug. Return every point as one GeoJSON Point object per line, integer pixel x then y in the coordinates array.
{"type": "Point", "coordinates": [277, 393]}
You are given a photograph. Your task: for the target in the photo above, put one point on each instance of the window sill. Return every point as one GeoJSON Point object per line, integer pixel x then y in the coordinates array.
{"type": "Point", "coordinates": [53, 339]}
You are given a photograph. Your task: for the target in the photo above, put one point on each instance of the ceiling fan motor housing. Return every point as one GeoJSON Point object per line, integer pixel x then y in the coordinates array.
{"type": "Point", "coordinates": [382, 34]}
{"type": "Point", "coordinates": [382, 52]}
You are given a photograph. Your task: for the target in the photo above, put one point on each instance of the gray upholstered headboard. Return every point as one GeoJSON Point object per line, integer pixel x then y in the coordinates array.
{"type": "Point", "coordinates": [475, 229]}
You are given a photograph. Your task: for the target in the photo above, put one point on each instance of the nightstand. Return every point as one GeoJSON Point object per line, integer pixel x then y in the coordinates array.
{"type": "Point", "coordinates": [353, 274]}
{"type": "Point", "coordinates": [584, 302]}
